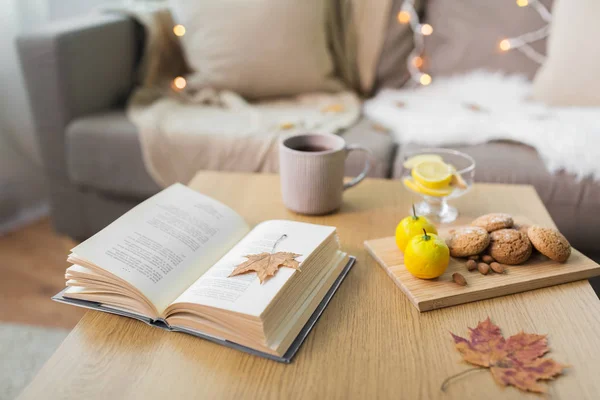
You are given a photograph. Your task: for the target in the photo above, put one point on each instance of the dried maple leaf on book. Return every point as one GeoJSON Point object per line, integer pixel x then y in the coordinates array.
{"type": "Point", "coordinates": [514, 361]}
{"type": "Point", "coordinates": [266, 264]}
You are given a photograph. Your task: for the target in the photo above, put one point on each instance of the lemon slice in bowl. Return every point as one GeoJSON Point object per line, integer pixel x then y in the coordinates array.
{"type": "Point", "coordinates": [457, 180]}
{"type": "Point", "coordinates": [416, 187]}
{"type": "Point", "coordinates": [411, 162]}
{"type": "Point", "coordinates": [433, 174]}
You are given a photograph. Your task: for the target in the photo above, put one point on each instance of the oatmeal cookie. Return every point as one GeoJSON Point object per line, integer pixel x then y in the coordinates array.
{"type": "Point", "coordinates": [509, 246]}
{"type": "Point", "coordinates": [467, 241]}
{"type": "Point", "coordinates": [550, 243]}
{"type": "Point", "coordinates": [493, 222]}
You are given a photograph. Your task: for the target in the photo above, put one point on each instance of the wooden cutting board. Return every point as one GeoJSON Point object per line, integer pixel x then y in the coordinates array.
{"type": "Point", "coordinates": [427, 295]}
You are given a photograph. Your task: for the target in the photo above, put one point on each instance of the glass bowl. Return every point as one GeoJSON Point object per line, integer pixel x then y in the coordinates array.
{"type": "Point", "coordinates": [435, 201]}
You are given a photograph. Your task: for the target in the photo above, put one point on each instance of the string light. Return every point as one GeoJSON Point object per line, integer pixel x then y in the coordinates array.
{"type": "Point", "coordinates": [521, 43]}
{"type": "Point", "coordinates": [505, 45]}
{"type": "Point", "coordinates": [426, 29]}
{"type": "Point", "coordinates": [408, 14]}
{"type": "Point", "coordinates": [179, 30]}
{"type": "Point", "coordinates": [179, 83]}
{"type": "Point", "coordinates": [403, 17]}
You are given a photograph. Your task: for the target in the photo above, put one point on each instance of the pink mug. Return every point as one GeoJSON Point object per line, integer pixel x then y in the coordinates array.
{"type": "Point", "coordinates": [311, 169]}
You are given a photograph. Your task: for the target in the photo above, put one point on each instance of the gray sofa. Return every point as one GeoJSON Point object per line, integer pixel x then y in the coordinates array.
{"type": "Point", "coordinates": [79, 75]}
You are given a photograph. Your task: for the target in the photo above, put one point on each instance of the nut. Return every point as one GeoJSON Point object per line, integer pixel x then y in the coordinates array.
{"type": "Point", "coordinates": [471, 265]}
{"type": "Point", "coordinates": [474, 258]}
{"type": "Point", "coordinates": [497, 267]}
{"type": "Point", "coordinates": [459, 279]}
{"type": "Point", "coordinates": [483, 268]}
{"type": "Point", "coordinates": [487, 259]}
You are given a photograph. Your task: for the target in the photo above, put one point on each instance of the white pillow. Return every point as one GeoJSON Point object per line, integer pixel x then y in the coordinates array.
{"type": "Point", "coordinates": [257, 48]}
{"type": "Point", "coordinates": [570, 75]}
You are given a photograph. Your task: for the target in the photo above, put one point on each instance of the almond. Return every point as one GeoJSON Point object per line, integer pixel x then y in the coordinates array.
{"type": "Point", "coordinates": [459, 279]}
{"type": "Point", "coordinates": [483, 268]}
{"type": "Point", "coordinates": [474, 258]}
{"type": "Point", "coordinates": [471, 265]}
{"type": "Point", "coordinates": [487, 259]}
{"type": "Point", "coordinates": [497, 267]}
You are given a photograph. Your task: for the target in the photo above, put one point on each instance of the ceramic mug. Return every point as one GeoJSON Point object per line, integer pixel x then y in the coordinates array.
{"type": "Point", "coordinates": [311, 167]}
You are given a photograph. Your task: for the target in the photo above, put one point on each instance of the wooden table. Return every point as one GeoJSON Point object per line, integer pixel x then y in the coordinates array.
{"type": "Point", "coordinates": [370, 342]}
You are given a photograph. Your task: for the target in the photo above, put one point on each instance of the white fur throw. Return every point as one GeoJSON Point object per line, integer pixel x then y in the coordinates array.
{"type": "Point", "coordinates": [483, 106]}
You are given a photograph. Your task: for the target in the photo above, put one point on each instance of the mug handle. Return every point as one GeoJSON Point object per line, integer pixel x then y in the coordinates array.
{"type": "Point", "coordinates": [365, 170]}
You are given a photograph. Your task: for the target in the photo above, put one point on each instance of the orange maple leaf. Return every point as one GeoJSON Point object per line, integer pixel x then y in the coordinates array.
{"type": "Point", "coordinates": [516, 361]}
{"type": "Point", "coordinates": [266, 264]}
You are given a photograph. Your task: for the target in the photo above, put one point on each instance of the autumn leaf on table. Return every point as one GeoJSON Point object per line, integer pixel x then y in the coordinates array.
{"type": "Point", "coordinates": [516, 361]}
{"type": "Point", "coordinates": [266, 264]}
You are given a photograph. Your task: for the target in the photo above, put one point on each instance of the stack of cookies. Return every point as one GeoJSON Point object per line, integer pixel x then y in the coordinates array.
{"type": "Point", "coordinates": [494, 239]}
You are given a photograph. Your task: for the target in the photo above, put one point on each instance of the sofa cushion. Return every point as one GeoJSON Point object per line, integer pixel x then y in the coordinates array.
{"type": "Point", "coordinates": [104, 153]}
{"type": "Point", "coordinates": [573, 204]}
{"type": "Point", "coordinates": [467, 33]}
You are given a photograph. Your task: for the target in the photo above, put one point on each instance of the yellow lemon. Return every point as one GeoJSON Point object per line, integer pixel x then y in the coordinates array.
{"type": "Point", "coordinates": [426, 256]}
{"type": "Point", "coordinates": [432, 174]}
{"type": "Point", "coordinates": [411, 226]}
{"type": "Point", "coordinates": [417, 187]}
{"type": "Point", "coordinates": [411, 162]}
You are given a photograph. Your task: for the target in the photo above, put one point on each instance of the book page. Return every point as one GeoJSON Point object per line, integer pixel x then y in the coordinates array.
{"type": "Point", "coordinates": [165, 243]}
{"type": "Point", "coordinates": [244, 293]}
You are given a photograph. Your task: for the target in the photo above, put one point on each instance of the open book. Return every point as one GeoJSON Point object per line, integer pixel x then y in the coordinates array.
{"type": "Point", "coordinates": [168, 262]}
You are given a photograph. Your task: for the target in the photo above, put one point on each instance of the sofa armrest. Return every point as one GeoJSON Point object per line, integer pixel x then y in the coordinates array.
{"type": "Point", "coordinates": [74, 68]}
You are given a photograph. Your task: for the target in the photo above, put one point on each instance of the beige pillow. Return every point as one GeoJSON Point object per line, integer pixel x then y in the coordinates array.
{"type": "Point", "coordinates": [569, 76]}
{"type": "Point", "coordinates": [257, 48]}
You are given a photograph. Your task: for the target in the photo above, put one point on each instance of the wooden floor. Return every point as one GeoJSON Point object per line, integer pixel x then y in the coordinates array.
{"type": "Point", "coordinates": [32, 268]}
